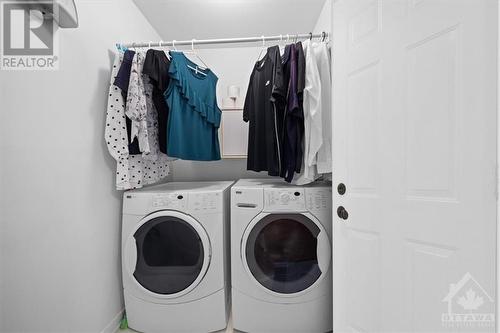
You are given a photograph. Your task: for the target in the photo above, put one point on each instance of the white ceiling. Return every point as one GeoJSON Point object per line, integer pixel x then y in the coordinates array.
{"type": "Point", "coordinates": [187, 19]}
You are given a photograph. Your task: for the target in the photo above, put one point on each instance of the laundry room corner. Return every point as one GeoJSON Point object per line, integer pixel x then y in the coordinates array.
{"type": "Point", "coordinates": [324, 21]}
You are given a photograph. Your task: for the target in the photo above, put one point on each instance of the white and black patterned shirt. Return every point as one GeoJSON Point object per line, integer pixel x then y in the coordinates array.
{"type": "Point", "coordinates": [132, 171]}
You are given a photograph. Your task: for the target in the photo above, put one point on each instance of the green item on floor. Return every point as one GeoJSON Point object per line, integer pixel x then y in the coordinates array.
{"type": "Point", "coordinates": [124, 322]}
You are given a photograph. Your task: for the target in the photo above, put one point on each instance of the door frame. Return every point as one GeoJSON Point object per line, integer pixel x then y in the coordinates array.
{"type": "Point", "coordinates": [497, 309]}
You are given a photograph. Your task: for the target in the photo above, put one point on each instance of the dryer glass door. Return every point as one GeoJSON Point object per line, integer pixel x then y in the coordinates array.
{"type": "Point", "coordinates": [282, 252]}
{"type": "Point", "coordinates": [170, 255]}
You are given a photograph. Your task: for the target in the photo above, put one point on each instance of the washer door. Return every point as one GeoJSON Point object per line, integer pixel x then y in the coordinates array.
{"type": "Point", "coordinates": [286, 253]}
{"type": "Point", "coordinates": [168, 254]}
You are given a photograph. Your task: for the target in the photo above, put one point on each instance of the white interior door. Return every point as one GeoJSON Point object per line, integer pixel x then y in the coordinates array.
{"type": "Point", "coordinates": [414, 125]}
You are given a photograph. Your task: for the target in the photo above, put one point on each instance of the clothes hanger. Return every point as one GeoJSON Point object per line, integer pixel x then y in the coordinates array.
{"type": "Point", "coordinates": [263, 47]}
{"type": "Point", "coordinates": [193, 52]}
{"type": "Point", "coordinates": [173, 46]}
{"type": "Point", "coordinates": [121, 48]}
{"type": "Point", "coordinates": [281, 45]}
{"type": "Point", "coordinates": [166, 53]}
{"type": "Point", "coordinates": [198, 69]}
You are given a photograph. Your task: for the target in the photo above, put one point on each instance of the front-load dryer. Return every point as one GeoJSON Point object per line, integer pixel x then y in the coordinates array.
{"type": "Point", "coordinates": [175, 259]}
{"type": "Point", "coordinates": [280, 257]}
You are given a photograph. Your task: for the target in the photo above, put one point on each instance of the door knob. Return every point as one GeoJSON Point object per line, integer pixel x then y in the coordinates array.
{"type": "Point", "coordinates": [341, 189]}
{"type": "Point", "coordinates": [342, 213]}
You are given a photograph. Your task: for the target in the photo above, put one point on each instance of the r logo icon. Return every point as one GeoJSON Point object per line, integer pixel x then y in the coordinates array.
{"type": "Point", "coordinates": [28, 31]}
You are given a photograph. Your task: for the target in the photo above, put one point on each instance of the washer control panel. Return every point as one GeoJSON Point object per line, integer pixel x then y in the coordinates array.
{"type": "Point", "coordinates": [177, 201]}
{"type": "Point", "coordinates": [285, 199]}
{"type": "Point", "coordinates": [205, 202]}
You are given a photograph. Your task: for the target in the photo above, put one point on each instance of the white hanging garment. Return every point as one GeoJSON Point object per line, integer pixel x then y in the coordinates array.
{"type": "Point", "coordinates": [115, 132]}
{"type": "Point", "coordinates": [324, 156]}
{"type": "Point", "coordinates": [313, 137]}
{"type": "Point", "coordinates": [132, 171]}
{"type": "Point", "coordinates": [136, 108]}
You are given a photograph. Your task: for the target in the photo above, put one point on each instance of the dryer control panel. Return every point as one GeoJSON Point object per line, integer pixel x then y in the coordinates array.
{"type": "Point", "coordinates": [318, 198]}
{"type": "Point", "coordinates": [202, 202]}
{"type": "Point", "coordinates": [284, 199]}
{"type": "Point", "coordinates": [205, 202]}
{"type": "Point", "coordinates": [177, 201]}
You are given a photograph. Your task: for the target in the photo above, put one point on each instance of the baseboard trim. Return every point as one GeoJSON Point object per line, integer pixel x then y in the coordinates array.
{"type": "Point", "coordinates": [114, 324]}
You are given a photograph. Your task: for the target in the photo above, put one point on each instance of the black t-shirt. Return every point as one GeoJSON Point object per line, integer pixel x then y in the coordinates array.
{"type": "Point", "coordinates": [264, 110]}
{"type": "Point", "coordinates": [156, 66]}
{"type": "Point", "coordinates": [299, 113]}
{"type": "Point", "coordinates": [293, 61]}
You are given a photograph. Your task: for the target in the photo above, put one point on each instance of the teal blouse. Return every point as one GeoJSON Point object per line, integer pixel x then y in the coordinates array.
{"type": "Point", "coordinates": [194, 117]}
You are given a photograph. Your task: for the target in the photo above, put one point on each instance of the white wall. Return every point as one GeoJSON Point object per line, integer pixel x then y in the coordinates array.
{"type": "Point", "coordinates": [60, 214]}
{"type": "Point", "coordinates": [324, 22]}
{"type": "Point", "coordinates": [230, 18]}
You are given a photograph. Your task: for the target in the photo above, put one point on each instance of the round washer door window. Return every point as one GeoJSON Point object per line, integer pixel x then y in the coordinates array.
{"type": "Point", "coordinates": [170, 255]}
{"type": "Point", "coordinates": [283, 252]}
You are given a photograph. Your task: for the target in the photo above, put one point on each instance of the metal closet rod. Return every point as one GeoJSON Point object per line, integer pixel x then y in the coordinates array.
{"type": "Point", "coordinates": [262, 39]}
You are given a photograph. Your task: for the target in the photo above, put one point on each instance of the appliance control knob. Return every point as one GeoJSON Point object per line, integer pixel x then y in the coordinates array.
{"type": "Point", "coordinates": [285, 198]}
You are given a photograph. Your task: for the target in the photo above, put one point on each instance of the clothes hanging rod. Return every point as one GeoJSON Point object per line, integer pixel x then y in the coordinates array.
{"type": "Point", "coordinates": [192, 42]}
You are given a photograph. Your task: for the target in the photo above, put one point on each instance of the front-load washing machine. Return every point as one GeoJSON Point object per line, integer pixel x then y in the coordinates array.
{"type": "Point", "coordinates": [175, 258]}
{"type": "Point", "coordinates": [280, 257]}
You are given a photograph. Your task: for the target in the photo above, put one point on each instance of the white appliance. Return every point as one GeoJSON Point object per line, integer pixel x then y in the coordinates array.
{"type": "Point", "coordinates": [281, 257]}
{"type": "Point", "coordinates": [175, 260]}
